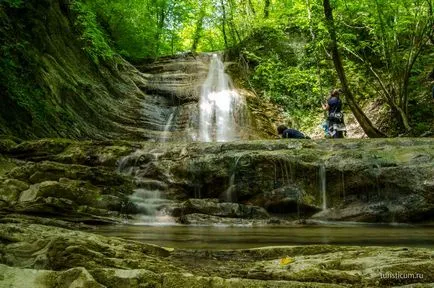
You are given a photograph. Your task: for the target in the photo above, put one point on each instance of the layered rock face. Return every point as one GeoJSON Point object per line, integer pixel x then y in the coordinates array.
{"type": "Point", "coordinates": [60, 91]}
{"type": "Point", "coordinates": [383, 180]}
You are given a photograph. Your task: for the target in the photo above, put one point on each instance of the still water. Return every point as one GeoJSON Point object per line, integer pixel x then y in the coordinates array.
{"type": "Point", "coordinates": [220, 237]}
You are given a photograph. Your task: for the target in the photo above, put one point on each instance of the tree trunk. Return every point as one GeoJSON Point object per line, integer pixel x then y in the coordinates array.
{"type": "Point", "coordinates": [199, 27]}
{"type": "Point", "coordinates": [233, 29]}
{"type": "Point", "coordinates": [364, 121]}
{"type": "Point", "coordinates": [224, 23]}
{"type": "Point", "coordinates": [317, 58]}
{"type": "Point", "coordinates": [252, 8]}
{"type": "Point", "coordinates": [161, 18]}
{"type": "Point", "coordinates": [267, 9]}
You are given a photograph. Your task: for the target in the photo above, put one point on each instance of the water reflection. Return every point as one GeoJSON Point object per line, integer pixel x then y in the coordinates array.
{"type": "Point", "coordinates": [220, 237]}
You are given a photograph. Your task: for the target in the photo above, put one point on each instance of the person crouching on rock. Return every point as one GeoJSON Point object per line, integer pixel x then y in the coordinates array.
{"type": "Point", "coordinates": [290, 133]}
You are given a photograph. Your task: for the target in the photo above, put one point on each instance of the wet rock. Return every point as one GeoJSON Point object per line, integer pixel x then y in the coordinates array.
{"type": "Point", "coordinates": [10, 190]}
{"type": "Point", "coordinates": [287, 200]}
{"type": "Point", "coordinates": [118, 278]}
{"type": "Point", "coordinates": [204, 219]}
{"type": "Point", "coordinates": [78, 191]}
{"type": "Point", "coordinates": [6, 145]}
{"type": "Point", "coordinates": [53, 171]}
{"type": "Point", "coordinates": [377, 173]}
{"type": "Point", "coordinates": [214, 208]}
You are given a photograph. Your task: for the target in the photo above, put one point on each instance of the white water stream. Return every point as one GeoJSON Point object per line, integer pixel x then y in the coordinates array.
{"type": "Point", "coordinates": [219, 105]}
{"type": "Point", "coordinates": [166, 133]}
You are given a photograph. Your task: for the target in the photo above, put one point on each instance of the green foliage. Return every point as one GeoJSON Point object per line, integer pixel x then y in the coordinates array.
{"type": "Point", "coordinates": [12, 3]}
{"type": "Point", "coordinates": [143, 29]}
{"type": "Point", "coordinates": [94, 40]}
{"type": "Point", "coordinates": [290, 87]}
{"type": "Point", "coordinates": [284, 69]}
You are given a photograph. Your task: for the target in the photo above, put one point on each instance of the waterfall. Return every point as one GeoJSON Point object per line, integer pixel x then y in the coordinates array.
{"type": "Point", "coordinates": [218, 105]}
{"type": "Point", "coordinates": [322, 177]}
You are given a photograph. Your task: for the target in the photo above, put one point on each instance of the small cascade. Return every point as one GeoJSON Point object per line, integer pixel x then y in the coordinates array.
{"type": "Point", "coordinates": [343, 186]}
{"type": "Point", "coordinates": [229, 192]}
{"type": "Point", "coordinates": [323, 185]}
{"type": "Point", "coordinates": [147, 201]}
{"type": "Point", "coordinates": [220, 106]}
{"type": "Point", "coordinates": [197, 192]}
{"type": "Point", "coordinates": [287, 182]}
{"type": "Point", "coordinates": [167, 127]}
{"type": "Point", "coordinates": [385, 194]}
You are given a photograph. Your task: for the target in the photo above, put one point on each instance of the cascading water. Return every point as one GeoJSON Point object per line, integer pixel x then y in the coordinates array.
{"type": "Point", "coordinates": [147, 199]}
{"type": "Point", "coordinates": [219, 105]}
{"type": "Point", "coordinates": [167, 127]}
{"type": "Point", "coordinates": [323, 187]}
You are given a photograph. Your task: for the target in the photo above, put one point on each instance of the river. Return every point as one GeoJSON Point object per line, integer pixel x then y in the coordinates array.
{"type": "Point", "coordinates": [225, 237]}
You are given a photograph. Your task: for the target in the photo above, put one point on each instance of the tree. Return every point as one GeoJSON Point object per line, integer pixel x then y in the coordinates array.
{"type": "Point", "coordinates": [223, 23]}
{"type": "Point", "coordinates": [199, 25]}
{"type": "Point", "coordinates": [364, 121]}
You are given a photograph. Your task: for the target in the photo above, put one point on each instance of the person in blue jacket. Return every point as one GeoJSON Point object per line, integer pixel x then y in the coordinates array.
{"type": "Point", "coordinates": [290, 133]}
{"type": "Point", "coordinates": [335, 116]}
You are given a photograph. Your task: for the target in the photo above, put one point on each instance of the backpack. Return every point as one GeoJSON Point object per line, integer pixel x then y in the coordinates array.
{"type": "Point", "coordinates": [336, 117]}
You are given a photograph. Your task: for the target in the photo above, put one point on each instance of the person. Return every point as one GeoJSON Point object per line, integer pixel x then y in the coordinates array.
{"type": "Point", "coordinates": [335, 118]}
{"type": "Point", "coordinates": [290, 133]}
